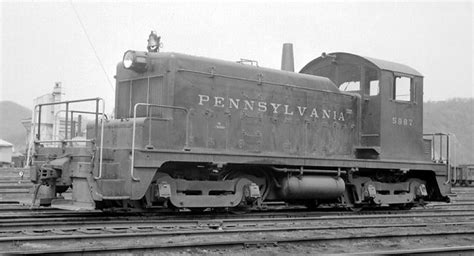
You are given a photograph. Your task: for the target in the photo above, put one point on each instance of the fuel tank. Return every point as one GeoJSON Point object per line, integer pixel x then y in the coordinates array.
{"type": "Point", "coordinates": [312, 187]}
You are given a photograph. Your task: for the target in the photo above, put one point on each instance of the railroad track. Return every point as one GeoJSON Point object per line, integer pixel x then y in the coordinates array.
{"type": "Point", "coordinates": [448, 250]}
{"type": "Point", "coordinates": [462, 194]}
{"type": "Point", "coordinates": [19, 187]}
{"type": "Point", "coordinates": [244, 238]}
{"type": "Point", "coordinates": [17, 209]}
{"type": "Point", "coordinates": [261, 245]}
{"type": "Point", "coordinates": [13, 186]}
{"type": "Point", "coordinates": [84, 220]}
{"type": "Point", "coordinates": [46, 230]}
{"type": "Point", "coordinates": [25, 214]}
{"type": "Point", "coordinates": [222, 233]}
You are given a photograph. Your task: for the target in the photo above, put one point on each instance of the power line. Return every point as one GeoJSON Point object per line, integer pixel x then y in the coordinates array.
{"type": "Point", "coordinates": [92, 46]}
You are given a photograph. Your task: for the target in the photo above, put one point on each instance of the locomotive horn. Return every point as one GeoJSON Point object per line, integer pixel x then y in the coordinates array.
{"type": "Point", "coordinates": [287, 60]}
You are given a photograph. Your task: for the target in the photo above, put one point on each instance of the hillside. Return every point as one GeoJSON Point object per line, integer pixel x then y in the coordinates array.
{"type": "Point", "coordinates": [455, 116]}
{"type": "Point", "coordinates": [11, 128]}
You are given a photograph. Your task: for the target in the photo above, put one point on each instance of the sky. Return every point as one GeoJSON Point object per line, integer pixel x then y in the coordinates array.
{"type": "Point", "coordinates": [44, 42]}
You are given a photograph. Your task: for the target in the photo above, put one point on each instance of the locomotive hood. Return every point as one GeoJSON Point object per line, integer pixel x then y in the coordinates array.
{"type": "Point", "coordinates": [162, 62]}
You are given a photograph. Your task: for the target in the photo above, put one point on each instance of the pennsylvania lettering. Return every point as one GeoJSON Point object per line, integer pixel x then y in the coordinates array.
{"type": "Point", "coordinates": [275, 108]}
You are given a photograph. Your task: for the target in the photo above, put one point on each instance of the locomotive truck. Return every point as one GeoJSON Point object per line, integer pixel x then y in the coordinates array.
{"type": "Point", "coordinates": [200, 133]}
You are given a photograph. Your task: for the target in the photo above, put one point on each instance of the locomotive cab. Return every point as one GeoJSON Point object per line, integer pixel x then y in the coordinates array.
{"type": "Point", "coordinates": [392, 103]}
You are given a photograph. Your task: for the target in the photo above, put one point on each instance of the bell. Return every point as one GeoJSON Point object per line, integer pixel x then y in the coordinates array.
{"type": "Point", "coordinates": [153, 42]}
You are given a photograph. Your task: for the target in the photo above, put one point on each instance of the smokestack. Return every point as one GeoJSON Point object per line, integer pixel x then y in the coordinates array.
{"type": "Point", "coordinates": [287, 59]}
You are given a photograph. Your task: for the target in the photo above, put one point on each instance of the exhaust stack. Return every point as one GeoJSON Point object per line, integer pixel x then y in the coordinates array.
{"type": "Point", "coordinates": [287, 59]}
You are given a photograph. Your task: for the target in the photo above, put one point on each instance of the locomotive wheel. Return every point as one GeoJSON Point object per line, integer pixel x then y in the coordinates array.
{"type": "Point", "coordinates": [258, 177]}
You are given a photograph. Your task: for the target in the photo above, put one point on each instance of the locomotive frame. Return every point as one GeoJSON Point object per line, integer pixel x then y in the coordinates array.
{"type": "Point", "coordinates": [192, 132]}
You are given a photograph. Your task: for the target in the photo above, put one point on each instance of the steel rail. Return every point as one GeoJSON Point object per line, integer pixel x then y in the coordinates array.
{"type": "Point", "coordinates": [245, 243]}
{"type": "Point", "coordinates": [462, 191]}
{"type": "Point", "coordinates": [263, 216]}
{"type": "Point", "coordinates": [17, 209]}
{"type": "Point", "coordinates": [173, 221]}
{"type": "Point", "coordinates": [9, 202]}
{"type": "Point", "coordinates": [126, 224]}
{"type": "Point", "coordinates": [35, 216]}
{"type": "Point", "coordinates": [209, 231]}
{"type": "Point", "coordinates": [422, 251]}
{"type": "Point", "coordinates": [52, 222]}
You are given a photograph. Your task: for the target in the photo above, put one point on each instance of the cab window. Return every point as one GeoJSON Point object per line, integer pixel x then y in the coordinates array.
{"type": "Point", "coordinates": [402, 88]}
{"type": "Point", "coordinates": [348, 77]}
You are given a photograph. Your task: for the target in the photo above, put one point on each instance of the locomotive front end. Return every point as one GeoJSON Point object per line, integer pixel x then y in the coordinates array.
{"type": "Point", "coordinates": [66, 159]}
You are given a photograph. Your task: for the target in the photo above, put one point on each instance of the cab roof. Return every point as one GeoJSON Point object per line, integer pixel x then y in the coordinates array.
{"type": "Point", "coordinates": [380, 64]}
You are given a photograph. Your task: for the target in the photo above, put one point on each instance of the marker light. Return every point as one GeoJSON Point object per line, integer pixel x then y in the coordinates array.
{"type": "Point", "coordinates": [136, 61]}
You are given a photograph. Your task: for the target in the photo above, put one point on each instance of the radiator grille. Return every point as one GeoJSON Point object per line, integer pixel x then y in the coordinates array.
{"type": "Point", "coordinates": [141, 90]}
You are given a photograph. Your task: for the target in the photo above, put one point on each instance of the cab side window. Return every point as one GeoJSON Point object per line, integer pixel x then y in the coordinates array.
{"type": "Point", "coordinates": [402, 88]}
{"type": "Point", "coordinates": [348, 78]}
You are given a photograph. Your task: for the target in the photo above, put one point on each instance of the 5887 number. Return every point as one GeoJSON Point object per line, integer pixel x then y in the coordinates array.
{"type": "Point", "coordinates": [402, 121]}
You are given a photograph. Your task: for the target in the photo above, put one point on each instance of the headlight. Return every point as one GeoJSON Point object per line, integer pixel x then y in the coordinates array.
{"type": "Point", "coordinates": [136, 61]}
{"type": "Point", "coordinates": [128, 59]}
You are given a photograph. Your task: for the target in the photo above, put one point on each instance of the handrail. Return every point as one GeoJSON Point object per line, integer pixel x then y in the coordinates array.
{"type": "Point", "coordinates": [56, 127]}
{"type": "Point", "coordinates": [55, 130]}
{"type": "Point", "coordinates": [455, 171]}
{"type": "Point", "coordinates": [39, 106]}
{"type": "Point", "coordinates": [211, 74]}
{"type": "Point", "coordinates": [132, 164]}
{"type": "Point", "coordinates": [101, 141]}
{"type": "Point", "coordinates": [59, 103]}
{"type": "Point", "coordinates": [448, 152]}
{"type": "Point", "coordinates": [448, 162]}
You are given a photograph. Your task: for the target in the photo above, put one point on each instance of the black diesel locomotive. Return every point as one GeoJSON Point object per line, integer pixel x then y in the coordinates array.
{"type": "Point", "coordinates": [196, 133]}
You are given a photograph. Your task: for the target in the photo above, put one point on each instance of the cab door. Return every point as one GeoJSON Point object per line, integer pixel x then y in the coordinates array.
{"type": "Point", "coordinates": [370, 135]}
{"type": "Point", "coordinates": [364, 80]}
{"type": "Point", "coordinates": [402, 117]}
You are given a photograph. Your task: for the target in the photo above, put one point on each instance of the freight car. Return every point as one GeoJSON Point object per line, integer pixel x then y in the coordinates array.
{"type": "Point", "coordinates": [197, 133]}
